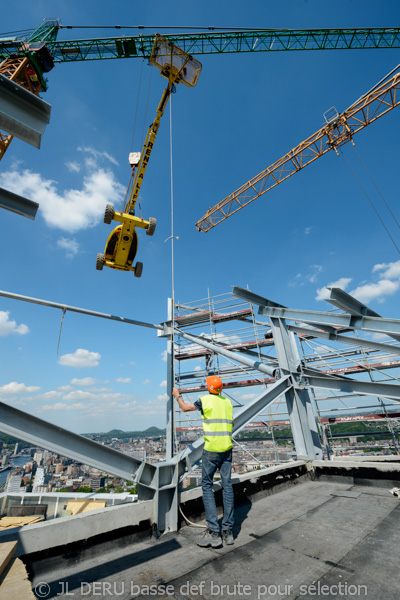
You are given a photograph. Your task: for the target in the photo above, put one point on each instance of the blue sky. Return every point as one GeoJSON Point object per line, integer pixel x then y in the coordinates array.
{"type": "Point", "coordinates": [245, 113]}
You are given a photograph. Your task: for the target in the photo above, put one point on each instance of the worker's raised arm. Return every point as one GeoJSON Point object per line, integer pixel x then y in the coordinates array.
{"type": "Point", "coordinates": [182, 405]}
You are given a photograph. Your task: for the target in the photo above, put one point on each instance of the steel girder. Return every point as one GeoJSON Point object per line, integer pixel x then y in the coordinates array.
{"type": "Point", "coordinates": [345, 339]}
{"type": "Point", "coordinates": [18, 204]}
{"type": "Point", "coordinates": [22, 114]}
{"type": "Point", "coordinates": [38, 432]}
{"type": "Point", "coordinates": [358, 316]}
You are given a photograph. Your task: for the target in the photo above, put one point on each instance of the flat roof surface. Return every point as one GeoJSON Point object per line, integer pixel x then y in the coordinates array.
{"type": "Point", "coordinates": [312, 540]}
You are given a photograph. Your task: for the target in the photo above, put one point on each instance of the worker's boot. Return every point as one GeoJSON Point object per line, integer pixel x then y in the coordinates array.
{"type": "Point", "coordinates": [209, 538]}
{"type": "Point", "coordinates": [227, 536]}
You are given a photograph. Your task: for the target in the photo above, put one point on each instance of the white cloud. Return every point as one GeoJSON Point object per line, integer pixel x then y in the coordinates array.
{"type": "Point", "coordinates": [65, 388]}
{"type": "Point", "coordinates": [387, 285]}
{"type": "Point", "coordinates": [390, 270]}
{"type": "Point", "coordinates": [164, 356]}
{"type": "Point", "coordinates": [124, 380]}
{"type": "Point", "coordinates": [163, 383]}
{"type": "Point", "coordinates": [372, 291]}
{"type": "Point", "coordinates": [73, 166]}
{"type": "Point", "coordinates": [70, 246]}
{"type": "Point", "coordinates": [52, 395]}
{"type": "Point", "coordinates": [317, 269]}
{"type": "Point", "coordinates": [341, 283]}
{"type": "Point", "coordinates": [57, 406]}
{"type": "Point", "coordinates": [69, 209]}
{"type": "Point", "coordinates": [18, 388]}
{"type": "Point", "coordinates": [146, 382]}
{"type": "Point", "coordinates": [299, 280]}
{"type": "Point", "coordinates": [198, 368]}
{"type": "Point", "coordinates": [7, 326]}
{"type": "Point", "coordinates": [162, 397]}
{"type": "Point", "coordinates": [63, 406]}
{"type": "Point", "coordinates": [83, 381]}
{"type": "Point", "coordinates": [307, 230]}
{"type": "Point", "coordinates": [80, 395]}
{"type": "Point", "coordinates": [96, 397]}
{"type": "Point", "coordinates": [97, 155]}
{"type": "Point", "coordinates": [80, 359]}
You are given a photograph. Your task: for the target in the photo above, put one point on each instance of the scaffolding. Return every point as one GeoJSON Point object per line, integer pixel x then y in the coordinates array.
{"type": "Point", "coordinates": [230, 321]}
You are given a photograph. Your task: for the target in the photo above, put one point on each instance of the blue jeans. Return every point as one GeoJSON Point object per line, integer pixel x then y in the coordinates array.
{"type": "Point", "coordinates": [211, 462]}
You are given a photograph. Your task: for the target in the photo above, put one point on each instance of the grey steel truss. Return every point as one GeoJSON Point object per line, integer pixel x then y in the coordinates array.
{"type": "Point", "coordinates": [289, 376]}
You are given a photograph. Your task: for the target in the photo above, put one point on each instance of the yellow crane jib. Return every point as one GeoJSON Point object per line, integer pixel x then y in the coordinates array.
{"type": "Point", "coordinates": [121, 247]}
{"type": "Point", "coordinates": [338, 130]}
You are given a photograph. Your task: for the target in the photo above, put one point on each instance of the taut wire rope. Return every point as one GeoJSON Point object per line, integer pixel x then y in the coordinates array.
{"type": "Point", "coordinates": [370, 201]}
{"type": "Point", "coordinates": [137, 104]}
{"type": "Point", "coordinates": [61, 324]}
{"type": "Point", "coordinates": [172, 238]}
{"type": "Point", "coordinates": [133, 131]}
{"type": "Point", "coordinates": [376, 187]}
{"type": "Point", "coordinates": [172, 273]}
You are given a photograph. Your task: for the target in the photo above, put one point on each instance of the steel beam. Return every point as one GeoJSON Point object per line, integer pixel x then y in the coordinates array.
{"type": "Point", "coordinates": [327, 321]}
{"type": "Point", "coordinates": [345, 339]}
{"type": "Point", "coordinates": [264, 302]}
{"type": "Point", "coordinates": [253, 298]}
{"type": "Point", "coordinates": [319, 319]}
{"type": "Point", "coordinates": [351, 305]}
{"type": "Point", "coordinates": [386, 390]}
{"type": "Point", "coordinates": [84, 311]}
{"type": "Point", "coordinates": [40, 433]}
{"type": "Point", "coordinates": [298, 399]}
{"type": "Point", "coordinates": [18, 204]}
{"type": "Point", "coordinates": [22, 114]}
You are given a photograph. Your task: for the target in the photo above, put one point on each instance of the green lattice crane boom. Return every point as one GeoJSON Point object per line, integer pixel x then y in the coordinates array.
{"type": "Point", "coordinates": [223, 42]}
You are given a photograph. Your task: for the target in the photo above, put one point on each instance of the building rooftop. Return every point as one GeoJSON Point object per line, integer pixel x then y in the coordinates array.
{"type": "Point", "coordinates": [327, 530]}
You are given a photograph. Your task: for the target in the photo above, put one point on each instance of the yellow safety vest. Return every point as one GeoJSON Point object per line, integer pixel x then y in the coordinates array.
{"type": "Point", "coordinates": [217, 423]}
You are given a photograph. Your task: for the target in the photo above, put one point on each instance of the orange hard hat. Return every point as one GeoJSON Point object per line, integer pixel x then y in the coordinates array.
{"type": "Point", "coordinates": [214, 384]}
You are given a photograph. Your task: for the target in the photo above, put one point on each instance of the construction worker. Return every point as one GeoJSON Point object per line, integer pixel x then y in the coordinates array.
{"type": "Point", "coordinates": [217, 415]}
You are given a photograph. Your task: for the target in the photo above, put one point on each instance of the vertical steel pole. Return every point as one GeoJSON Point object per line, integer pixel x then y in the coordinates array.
{"type": "Point", "coordinates": [170, 423]}
{"type": "Point", "coordinates": [302, 419]}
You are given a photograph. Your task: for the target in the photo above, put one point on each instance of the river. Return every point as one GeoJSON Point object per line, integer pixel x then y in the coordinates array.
{"type": "Point", "coordinates": [17, 461]}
